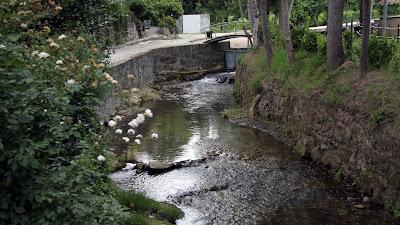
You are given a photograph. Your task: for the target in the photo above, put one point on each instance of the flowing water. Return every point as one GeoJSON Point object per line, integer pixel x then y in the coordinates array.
{"type": "Point", "coordinates": [248, 177]}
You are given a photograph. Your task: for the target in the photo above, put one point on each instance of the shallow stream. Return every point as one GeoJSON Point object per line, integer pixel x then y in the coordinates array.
{"type": "Point", "coordinates": [248, 177]}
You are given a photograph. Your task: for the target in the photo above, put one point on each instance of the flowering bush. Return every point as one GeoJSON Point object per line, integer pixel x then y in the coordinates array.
{"type": "Point", "coordinates": [50, 146]}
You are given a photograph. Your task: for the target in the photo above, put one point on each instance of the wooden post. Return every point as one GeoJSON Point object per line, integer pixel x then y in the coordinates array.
{"type": "Point", "coordinates": [398, 31]}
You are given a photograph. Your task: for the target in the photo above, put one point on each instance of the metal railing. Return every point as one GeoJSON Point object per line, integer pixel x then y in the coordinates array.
{"type": "Point", "coordinates": [226, 28]}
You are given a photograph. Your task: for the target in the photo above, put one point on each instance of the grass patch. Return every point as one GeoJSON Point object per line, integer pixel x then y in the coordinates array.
{"type": "Point", "coordinates": [308, 72]}
{"type": "Point", "coordinates": [335, 94]}
{"type": "Point", "coordinates": [141, 205]}
{"type": "Point", "coordinates": [235, 113]}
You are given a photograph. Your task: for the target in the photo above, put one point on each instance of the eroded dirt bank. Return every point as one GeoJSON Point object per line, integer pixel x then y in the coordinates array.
{"type": "Point", "coordinates": [352, 137]}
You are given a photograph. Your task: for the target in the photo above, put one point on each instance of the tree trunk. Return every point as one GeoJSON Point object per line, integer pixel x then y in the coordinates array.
{"type": "Point", "coordinates": [284, 21]}
{"type": "Point", "coordinates": [264, 11]}
{"type": "Point", "coordinates": [366, 30]}
{"type": "Point", "coordinates": [291, 7]}
{"type": "Point", "coordinates": [385, 16]}
{"type": "Point", "coordinates": [335, 53]}
{"type": "Point", "coordinates": [254, 20]}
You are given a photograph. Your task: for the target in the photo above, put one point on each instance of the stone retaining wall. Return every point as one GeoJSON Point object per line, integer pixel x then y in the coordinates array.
{"type": "Point", "coordinates": [164, 64]}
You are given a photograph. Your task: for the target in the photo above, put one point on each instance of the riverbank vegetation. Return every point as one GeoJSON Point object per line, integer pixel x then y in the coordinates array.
{"type": "Point", "coordinates": [342, 70]}
{"type": "Point", "coordinates": [54, 153]}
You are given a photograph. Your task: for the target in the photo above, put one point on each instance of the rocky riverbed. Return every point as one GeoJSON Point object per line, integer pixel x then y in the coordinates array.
{"type": "Point", "coordinates": [241, 175]}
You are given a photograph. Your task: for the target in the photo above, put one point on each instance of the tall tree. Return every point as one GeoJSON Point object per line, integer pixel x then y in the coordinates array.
{"type": "Point", "coordinates": [335, 53]}
{"type": "Point", "coordinates": [264, 11]}
{"type": "Point", "coordinates": [284, 21]}
{"type": "Point", "coordinates": [252, 8]}
{"type": "Point", "coordinates": [366, 30]}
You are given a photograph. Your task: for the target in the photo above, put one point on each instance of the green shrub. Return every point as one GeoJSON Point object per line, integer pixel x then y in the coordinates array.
{"type": "Point", "coordinates": [169, 23]}
{"type": "Point", "coordinates": [311, 42]}
{"type": "Point", "coordinates": [380, 51]}
{"type": "Point", "coordinates": [394, 64]}
{"type": "Point", "coordinates": [156, 11]}
{"type": "Point", "coordinates": [304, 39]}
{"type": "Point", "coordinates": [49, 133]}
{"type": "Point", "coordinates": [297, 38]}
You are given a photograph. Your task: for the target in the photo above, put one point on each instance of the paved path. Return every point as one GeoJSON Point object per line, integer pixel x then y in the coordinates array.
{"type": "Point", "coordinates": [128, 51]}
{"type": "Point", "coordinates": [124, 53]}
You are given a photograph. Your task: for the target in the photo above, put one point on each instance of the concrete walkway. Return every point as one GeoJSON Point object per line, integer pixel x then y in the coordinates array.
{"type": "Point", "coordinates": [126, 52]}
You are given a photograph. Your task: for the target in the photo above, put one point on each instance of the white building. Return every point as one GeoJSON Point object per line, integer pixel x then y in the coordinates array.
{"type": "Point", "coordinates": [192, 24]}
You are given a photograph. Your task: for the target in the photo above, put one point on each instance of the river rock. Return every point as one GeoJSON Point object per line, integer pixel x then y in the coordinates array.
{"type": "Point", "coordinates": [222, 80]}
{"type": "Point", "coordinates": [157, 167]}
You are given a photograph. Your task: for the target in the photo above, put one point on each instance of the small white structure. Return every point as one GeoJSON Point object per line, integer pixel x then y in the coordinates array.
{"type": "Point", "coordinates": [192, 24]}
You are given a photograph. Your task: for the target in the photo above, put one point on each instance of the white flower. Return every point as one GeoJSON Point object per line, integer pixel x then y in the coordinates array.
{"type": "Point", "coordinates": [137, 141]}
{"type": "Point", "coordinates": [131, 131]}
{"type": "Point", "coordinates": [2, 46]}
{"type": "Point", "coordinates": [59, 62]}
{"type": "Point", "coordinates": [118, 131]}
{"type": "Point", "coordinates": [154, 135]}
{"type": "Point", "coordinates": [61, 123]}
{"type": "Point", "coordinates": [62, 36]}
{"type": "Point", "coordinates": [58, 8]}
{"type": "Point", "coordinates": [112, 123]}
{"type": "Point", "coordinates": [35, 53]}
{"type": "Point", "coordinates": [71, 82]}
{"type": "Point", "coordinates": [109, 77]}
{"type": "Point", "coordinates": [57, 67]}
{"type": "Point", "coordinates": [131, 76]}
{"type": "Point", "coordinates": [43, 55]}
{"type": "Point", "coordinates": [55, 45]}
{"type": "Point", "coordinates": [23, 26]}
{"type": "Point", "coordinates": [114, 82]}
{"type": "Point", "coordinates": [101, 158]}
{"type": "Point", "coordinates": [140, 118]}
{"type": "Point", "coordinates": [126, 139]}
{"type": "Point", "coordinates": [139, 136]}
{"type": "Point", "coordinates": [148, 113]}
{"type": "Point", "coordinates": [45, 110]}
{"type": "Point", "coordinates": [134, 123]}
{"type": "Point", "coordinates": [117, 118]}
{"type": "Point", "coordinates": [85, 67]}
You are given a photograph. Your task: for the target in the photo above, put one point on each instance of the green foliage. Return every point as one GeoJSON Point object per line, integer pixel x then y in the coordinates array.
{"type": "Point", "coordinates": [141, 204]}
{"type": "Point", "coordinates": [380, 51]}
{"type": "Point", "coordinates": [339, 175]}
{"type": "Point", "coordinates": [309, 13]}
{"type": "Point", "coordinates": [157, 11]}
{"type": "Point", "coordinates": [220, 11]}
{"type": "Point", "coordinates": [308, 72]}
{"type": "Point", "coordinates": [304, 39]}
{"type": "Point", "coordinates": [234, 113]}
{"type": "Point", "coordinates": [394, 64]}
{"type": "Point", "coordinates": [169, 23]}
{"type": "Point", "coordinates": [276, 32]}
{"type": "Point", "coordinates": [49, 134]}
